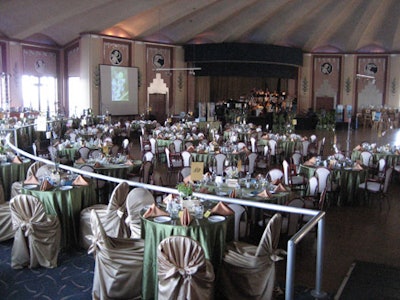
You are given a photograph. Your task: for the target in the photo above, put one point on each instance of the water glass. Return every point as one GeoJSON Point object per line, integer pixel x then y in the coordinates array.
{"type": "Point", "coordinates": [198, 211]}
{"type": "Point", "coordinates": [174, 210]}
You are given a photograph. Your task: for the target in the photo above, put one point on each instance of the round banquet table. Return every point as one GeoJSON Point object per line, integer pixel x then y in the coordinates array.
{"type": "Point", "coordinates": [391, 159]}
{"type": "Point", "coordinates": [211, 235]}
{"type": "Point", "coordinates": [67, 205]}
{"type": "Point", "coordinates": [348, 179]}
{"type": "Point", "coordinates": [208, 157]}
{"type": "Point", "coordinates": [12, 172]}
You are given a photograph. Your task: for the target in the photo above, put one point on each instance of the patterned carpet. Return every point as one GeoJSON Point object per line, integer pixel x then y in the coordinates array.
{"type": "Point", "coordinates": [72, 279]}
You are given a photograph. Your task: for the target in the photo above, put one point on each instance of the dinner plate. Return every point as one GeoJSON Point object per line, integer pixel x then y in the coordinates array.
{"type": "Point", "coordinates": [216, 218]}
{"type": "Point", "coordinates": [30, 186]}
{"type": "Point", "coordinates": [222, 193]}
{"type": "Point", "coordinates": [162, 219]}
{"type": "Point", "coordinates": [249, 195]}
{"type": "Point", "coordinates": [66, 187]}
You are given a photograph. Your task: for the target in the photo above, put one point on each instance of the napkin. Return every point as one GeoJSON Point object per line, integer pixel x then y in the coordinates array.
{"type": "Point", "coordinates": [168, 198]}
{"type": "Point", "coordinates": [222, 209]}
{"type": "Point", "coordinates": [129, 163]}
{"type": "Point", "coordinates": [80, 181]}
{"type": "Point", "coordinates": [203, 190]}
{"type": "Point", "coordinates": [46, 186]}
{"type": "Point", "coordinates": [80, 161]}
{"type": "Point", "coordinates": [17, 160]}
{"type": "Point", "coordinates": [276, 181]}
{"type": "Point", "coordinates": [310, 162]}
{"type": "Point", "coordinates": [190, 149]}
{"type": "Point", "coordinates": [357, 167]}
{"type": "Point", "coordinates": [154, 211]}
{"type": "Point", "coordinates": [185, 217]}
{"type": "Point", "coordinates": [264, 194]}
{"type": "Point", "coordinates": [280, 188]}
{"type": "Point", "coordinates": [31, 180]}
{"type": "Point", "coordinates": [97, 165]}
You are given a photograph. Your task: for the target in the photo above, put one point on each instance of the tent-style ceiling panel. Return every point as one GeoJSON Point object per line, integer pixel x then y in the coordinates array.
{"type": "Point", "coordinates": [311, 25]}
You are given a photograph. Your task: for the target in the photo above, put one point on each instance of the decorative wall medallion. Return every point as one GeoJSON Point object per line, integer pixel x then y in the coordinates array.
{"type": "Point", "coordinates": [371, 69]}
{"type": "Point", "coordinates": [326, 68]}
{"type": "Point", "coordinates": [40, 66]}
{"type": "Point", "coordinates": [116, 57]}
{"type": "Point", "coordinates": [158, 60]}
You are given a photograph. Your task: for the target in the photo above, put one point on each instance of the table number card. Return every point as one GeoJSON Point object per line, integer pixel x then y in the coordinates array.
{"type": "Point", "coordinates": [197, 169]}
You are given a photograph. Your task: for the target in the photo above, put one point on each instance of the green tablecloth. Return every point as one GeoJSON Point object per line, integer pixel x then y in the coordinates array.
{"type": "Point", "coordinates": [288, 147]}
{"type": "Point", "coordinates": [12, 172]}
{"type": "Point", "coordinates": [208, 158]}
{"type": "Point", "coordinates": [211, 236]}
{"type": "Point", "coordinates": [391, 158]}
{"type": "Point", "coordinates": [67, 205]}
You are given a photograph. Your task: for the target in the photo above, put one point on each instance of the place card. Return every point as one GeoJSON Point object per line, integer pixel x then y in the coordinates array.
{"type": "Point", "coordinates": [232, 182]}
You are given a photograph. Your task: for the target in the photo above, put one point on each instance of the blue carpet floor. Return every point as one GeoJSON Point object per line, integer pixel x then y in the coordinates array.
{"type": "Point", "coordinates": [72, 279]}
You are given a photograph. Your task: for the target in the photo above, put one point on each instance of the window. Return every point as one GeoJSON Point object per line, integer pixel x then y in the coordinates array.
{"type": "Point", "coordinates": [40, 93]}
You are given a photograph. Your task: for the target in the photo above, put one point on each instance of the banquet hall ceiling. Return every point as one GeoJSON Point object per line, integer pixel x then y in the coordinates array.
{"type": "Point", "coordinates": [312, 25]}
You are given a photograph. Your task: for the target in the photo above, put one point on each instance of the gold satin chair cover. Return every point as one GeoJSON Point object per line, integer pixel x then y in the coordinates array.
{"type": "Point", "coordinates": [17, 186]}
{"type": "Point", "coordinates": [118, 264]}
{"type": "Point", "coordinates": [137, 199]}
{"type": "Point", "coordinates": [37, 236]}
{"type": "Point", "coordinates": [183, 271]}
{"type": "Point", "coordinates": [6, 227]}
{"type": "Point", "coordinates": [112, 216]}
{"type": "Point", "coordinates": [248, 271]}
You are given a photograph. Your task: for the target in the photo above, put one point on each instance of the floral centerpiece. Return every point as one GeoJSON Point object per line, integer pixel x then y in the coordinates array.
{"type": "Point", "coordinates": [185, 189]}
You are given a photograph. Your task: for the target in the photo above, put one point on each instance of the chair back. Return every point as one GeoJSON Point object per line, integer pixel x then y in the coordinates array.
{"type": "Point", "coordinates": [312, 189]}
{"type": "Point", "coordinates": [33, 168]}
{"type": "Point", "coordinates": [146, 171]}
{"type": "Point", "coordinates": [253, 143]}
{"type": "Point", "coordinates": [388, 176]}
{"type": "Point", "coordinates": [148, 156]}
{"type": "Point", "coordinates": [153, 145]}
{"type": "Point", "coordinates": [219, 162]}
{"type": "Point", "coordinates": [137, 199]}
{"type": "Point", "coordinates": [275, 174]}
{"type": "Point", "coordinates": [118, 264]}
{"type": "Point", "coordinates": [322, 173]}
{"type": "Point", "coordinates": [42, 232]}
{"type": "Point", "coordinates": [84, 152]}
{"type": "Point", "coordinates": [186, 158]}
{"type": "Point", "coordinates": [239, 211]}
{"type": "Point", "coordinates": [366, 158]}
{"type": "Point", "coordinates": [305, 145]}
{"type": "Point", "coordinates": [270, 238]}
{"type": "Point", "coordinates": [178, 145]}
{"type": "Point", "coordinates": [272, 147]}
{"type": "Point", "coordinates": [95, 154]}
{"type": "Point", "coordinates": [183, 271]}
{"type": "Point", "coordinates": [184, 172]}
{"type": "Point", "coordinates": [285, 166]}
{"type": "Point", "coordinates": [252, 158]}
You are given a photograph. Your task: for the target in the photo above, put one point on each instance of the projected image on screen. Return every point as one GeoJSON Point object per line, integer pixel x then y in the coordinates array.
{"type": "Point", "coordinates": [119, 84]}
{"type": "Point", "coordinates": [119, 90]}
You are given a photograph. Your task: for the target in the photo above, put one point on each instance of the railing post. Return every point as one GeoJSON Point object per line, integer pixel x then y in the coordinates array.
{"type": "Point", "coordinates": [318, 293]}
{"type": "Point", "coordinates": [290, 266]}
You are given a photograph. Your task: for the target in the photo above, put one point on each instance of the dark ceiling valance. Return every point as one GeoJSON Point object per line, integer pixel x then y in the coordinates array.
{"type": "Point", "coordinates": [244, 59]}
